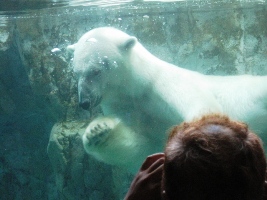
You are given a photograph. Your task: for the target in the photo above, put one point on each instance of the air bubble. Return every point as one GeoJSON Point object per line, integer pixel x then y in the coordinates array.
{"type": "Point", "coordinates": [55, 50]}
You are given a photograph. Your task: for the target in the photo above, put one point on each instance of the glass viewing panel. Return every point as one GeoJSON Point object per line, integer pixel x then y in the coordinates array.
{"type": "Point", "coordinates": [78, 116]}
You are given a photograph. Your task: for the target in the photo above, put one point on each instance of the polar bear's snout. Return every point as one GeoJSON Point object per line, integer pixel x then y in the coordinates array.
{"type": "Point", "coordinates": [85, 104]}
{"type": "Point", "coordinates": [89, 94]}
{"type": "Point", "coordinates": [89, 100]}
{"type": "Point", "coordinates": [88, 104]}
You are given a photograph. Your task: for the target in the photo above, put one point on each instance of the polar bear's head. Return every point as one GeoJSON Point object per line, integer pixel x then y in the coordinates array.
{"type": "Point", "coordinates": [99, 57]}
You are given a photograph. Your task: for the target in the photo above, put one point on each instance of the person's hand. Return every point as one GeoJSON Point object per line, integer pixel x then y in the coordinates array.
{"type": "Point", "coordinates": [147, 182]}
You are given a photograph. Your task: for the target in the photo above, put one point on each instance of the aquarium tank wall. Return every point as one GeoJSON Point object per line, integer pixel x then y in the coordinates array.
{"type": "Point", "coordinates": [41, 123]}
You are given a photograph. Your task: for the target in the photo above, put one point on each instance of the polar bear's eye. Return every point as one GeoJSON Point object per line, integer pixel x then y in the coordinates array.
{"type": "Point", "coordinates": [96, 72]}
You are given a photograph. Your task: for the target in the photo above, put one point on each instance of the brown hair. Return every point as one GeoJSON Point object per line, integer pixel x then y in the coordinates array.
{"type": "Point", "coordinates": [214, 158]}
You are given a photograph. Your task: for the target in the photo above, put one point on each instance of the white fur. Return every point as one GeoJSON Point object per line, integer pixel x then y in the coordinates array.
{"type": "Point", "coordinates": [147, 96]}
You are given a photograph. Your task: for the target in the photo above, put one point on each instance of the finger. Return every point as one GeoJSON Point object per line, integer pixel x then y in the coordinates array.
{"type": "Point", "coordinates": [156, 175]}
{"type": "Point", "coordinates": [150, 160]}
{"type": "Point", "coordinates": [156, 165]}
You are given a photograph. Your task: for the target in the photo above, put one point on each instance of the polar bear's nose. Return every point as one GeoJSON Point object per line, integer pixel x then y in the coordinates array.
{"type": "Point", "coordinates": [85, 104]}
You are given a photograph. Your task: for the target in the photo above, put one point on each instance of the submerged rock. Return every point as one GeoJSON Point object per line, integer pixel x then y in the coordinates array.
{"type": "Point", "coordinates": [77, 175]}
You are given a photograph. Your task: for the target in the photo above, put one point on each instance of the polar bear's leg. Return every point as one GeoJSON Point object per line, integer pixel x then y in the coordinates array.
{"type": "Point", "coordinates": [111, 141]}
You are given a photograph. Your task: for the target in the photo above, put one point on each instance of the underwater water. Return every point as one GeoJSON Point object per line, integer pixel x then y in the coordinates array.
{"type": "Point", "coordinates": [41, 153]}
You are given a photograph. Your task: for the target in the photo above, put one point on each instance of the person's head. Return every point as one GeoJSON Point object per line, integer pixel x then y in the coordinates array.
{"type": "Point", "coordinates": [213, 158]}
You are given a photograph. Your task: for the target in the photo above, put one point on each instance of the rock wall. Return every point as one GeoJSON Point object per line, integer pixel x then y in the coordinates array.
{"type": "Point", "coordinates": [24, 168]}
{"type": "Point", "coordinates": [75, 176]}
{"type": "Point", "coordinates": [41, 154]}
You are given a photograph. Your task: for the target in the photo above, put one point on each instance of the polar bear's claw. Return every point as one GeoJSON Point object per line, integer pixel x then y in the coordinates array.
{"type": "Point", "coordinates": [98, 134]}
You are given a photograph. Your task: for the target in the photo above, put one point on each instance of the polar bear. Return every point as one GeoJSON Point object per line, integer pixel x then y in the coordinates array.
{"type": "Point", "coordinates": [143, 96]}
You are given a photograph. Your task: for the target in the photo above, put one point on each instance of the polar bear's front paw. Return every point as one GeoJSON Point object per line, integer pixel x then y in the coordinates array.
{"type": "Point", "coordinates": [99, 130]}
{"type": "Point", "coordinates": [97, 134]}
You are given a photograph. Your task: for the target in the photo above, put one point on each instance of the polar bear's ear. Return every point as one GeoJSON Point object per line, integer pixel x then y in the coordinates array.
{"type": "Point", "coordinates": [129, 43]}
{"type": "Point", "coordinates": [71, 48]}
